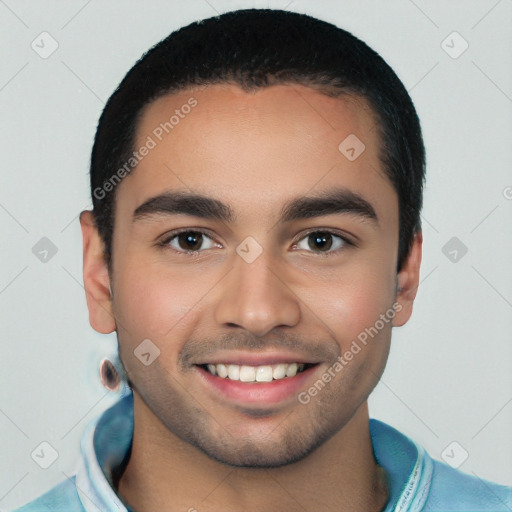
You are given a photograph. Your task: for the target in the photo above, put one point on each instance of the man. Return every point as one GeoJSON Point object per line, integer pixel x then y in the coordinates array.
{"type": "Point", "coordinates": [257, 184]}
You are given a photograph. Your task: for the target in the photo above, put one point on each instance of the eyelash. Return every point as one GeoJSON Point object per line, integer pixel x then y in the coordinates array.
{"type": "Point", "coordinates": [165, 242]}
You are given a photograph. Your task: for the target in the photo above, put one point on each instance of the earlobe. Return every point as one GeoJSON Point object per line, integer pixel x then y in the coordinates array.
{"type": "Point", "coordinates": [408, 281]}
{"type": "Point", "coordinates": [96, 277]}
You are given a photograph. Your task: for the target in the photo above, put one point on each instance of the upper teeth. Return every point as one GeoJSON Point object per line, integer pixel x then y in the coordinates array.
{"type": "Point", "coordinates": [265, 373]}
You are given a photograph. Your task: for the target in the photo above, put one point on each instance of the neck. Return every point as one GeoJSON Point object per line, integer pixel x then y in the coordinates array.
{"type": "Point", "coordinates": [165, 473]}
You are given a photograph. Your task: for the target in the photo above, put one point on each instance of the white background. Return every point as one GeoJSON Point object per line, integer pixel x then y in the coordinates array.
{"type": "Point", "coordinates": [449, 375]}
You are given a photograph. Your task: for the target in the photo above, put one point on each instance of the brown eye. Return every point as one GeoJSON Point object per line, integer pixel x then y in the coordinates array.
{"type": "Point", "coordinates": [190, 241]}
{"type": "Point", "coordinates": [320, 241]}
{"type": "Point", "coordinates": [323, 242]}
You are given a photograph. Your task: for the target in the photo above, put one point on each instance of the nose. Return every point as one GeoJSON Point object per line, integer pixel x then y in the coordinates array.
{"type": "Point", "coordinates": [255, 297]}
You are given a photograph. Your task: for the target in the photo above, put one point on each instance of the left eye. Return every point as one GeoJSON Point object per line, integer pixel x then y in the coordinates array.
{"type": "Point", "coordinates": [190, 241]}
{"type": "Point", "coordinates": [322, 241]}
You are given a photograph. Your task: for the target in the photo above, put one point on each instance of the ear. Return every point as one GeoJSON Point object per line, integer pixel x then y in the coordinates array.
{"type": "Point", "coordinates": [96, 278]}
{"type": "Point", "coordinates": [408, 281]}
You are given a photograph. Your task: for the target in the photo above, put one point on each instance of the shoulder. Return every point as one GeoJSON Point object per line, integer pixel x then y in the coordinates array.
{"type": "Point", "coordinates": [61, 498]}
{"type": "Point", "coordinates": [452, 490]}
{"type": "Point", "coordinates": [415, 478]}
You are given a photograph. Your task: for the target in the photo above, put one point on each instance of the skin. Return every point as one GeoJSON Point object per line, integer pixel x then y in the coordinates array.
{"type": "Point", "coordinates": [193, 448]}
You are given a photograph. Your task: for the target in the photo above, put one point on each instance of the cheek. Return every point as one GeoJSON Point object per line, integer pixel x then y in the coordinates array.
{"type": "Point", "coordinates": [354, 301]}
{"type": "Point", "coordinates": [152, 303]}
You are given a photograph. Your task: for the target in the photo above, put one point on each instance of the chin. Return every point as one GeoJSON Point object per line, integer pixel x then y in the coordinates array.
{"type": "Point", "coordinates": [251, 459]}
{"type": "Point", "coordinates": [260, 453]}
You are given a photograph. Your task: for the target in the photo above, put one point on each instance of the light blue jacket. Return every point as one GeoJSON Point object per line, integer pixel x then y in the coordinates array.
{"type": "Point", "coordinates": [415, 481]}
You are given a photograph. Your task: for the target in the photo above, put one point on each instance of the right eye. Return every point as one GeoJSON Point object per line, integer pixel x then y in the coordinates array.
{"type": "Point", "coordinates": [189, 241]}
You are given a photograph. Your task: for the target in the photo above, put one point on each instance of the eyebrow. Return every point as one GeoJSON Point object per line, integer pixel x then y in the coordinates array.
{"type": "Point", "coordinates": [337, 201]}
{"type": "Point", "coordinates": [328, 203]}
{"type": "Point", "coordinates": [178, 202]}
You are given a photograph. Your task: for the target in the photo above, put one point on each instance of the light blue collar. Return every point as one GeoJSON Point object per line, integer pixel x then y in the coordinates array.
{"type": "Point", "coordinates": [106, 446]}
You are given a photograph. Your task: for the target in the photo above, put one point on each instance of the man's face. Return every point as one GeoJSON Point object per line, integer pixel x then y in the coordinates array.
{"type": "Point", "coordinates": [261, 282]}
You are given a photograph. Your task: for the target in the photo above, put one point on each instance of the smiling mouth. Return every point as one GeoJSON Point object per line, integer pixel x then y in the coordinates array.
{"type": "Point", "coordinates": [263, 373]}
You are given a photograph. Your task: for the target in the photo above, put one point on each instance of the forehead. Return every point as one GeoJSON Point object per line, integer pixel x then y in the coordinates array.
{"type": "Point", "coordinates": [255, 148]}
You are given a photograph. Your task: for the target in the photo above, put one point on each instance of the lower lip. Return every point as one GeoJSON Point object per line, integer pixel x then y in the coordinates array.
{"type": "Point", "coordinates": [257, 392]}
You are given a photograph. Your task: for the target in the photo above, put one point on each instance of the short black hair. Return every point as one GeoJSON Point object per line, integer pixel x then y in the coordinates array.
{"type": "Point", "coordinates": [256, 48]}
